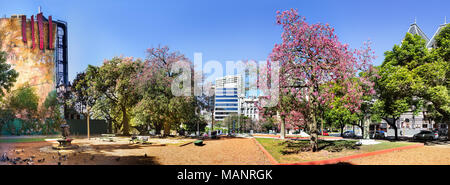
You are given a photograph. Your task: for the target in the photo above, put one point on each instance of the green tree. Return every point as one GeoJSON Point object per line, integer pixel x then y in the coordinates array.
{"type": "Point", "coordinates": [24, 101]}
{"type": "Point", "coordinates": [398, 85]}
{"type": "Point", "coordinates": [8, 76]}
{"type": "Point", "coordinates": [83, 95]}
{"type": "Point", "coordinates": [114, 80]}
{"type": "Point", "coordinates": [434, 76]}
{"type": "Point", "coordinates": [53, 112]}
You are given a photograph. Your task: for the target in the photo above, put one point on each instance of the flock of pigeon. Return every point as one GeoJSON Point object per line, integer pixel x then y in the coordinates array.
{"type": "Point", "coordinates": [19, 160]}
{"type": "Point", "coordinates": [31, 159]}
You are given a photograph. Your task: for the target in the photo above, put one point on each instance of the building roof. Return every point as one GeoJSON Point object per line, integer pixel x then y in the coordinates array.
{"type": "Point", "coordinates": [415, 30]}
{"type": "Point", "coordinates": [432, 42]}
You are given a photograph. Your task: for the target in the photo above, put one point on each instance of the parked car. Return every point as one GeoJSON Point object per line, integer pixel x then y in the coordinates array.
{"type": "Point", "coordinates": [379, 134]}
{"type": "Point", "coordinates": [426, 135]}
{"type": "Point", "coordinates": [349, 134]}
{"type": "Point", "coordinates": [436, 134]}
{"type": "Point", "coordinates": [325, 133]}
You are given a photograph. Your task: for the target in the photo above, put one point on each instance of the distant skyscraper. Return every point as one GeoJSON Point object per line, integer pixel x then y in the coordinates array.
{"type": "Point", "coordinates": [228, 90]}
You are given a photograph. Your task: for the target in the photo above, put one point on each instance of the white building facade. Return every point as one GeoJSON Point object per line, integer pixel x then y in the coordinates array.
{"type": "Point", "coordinates": [230, 98]}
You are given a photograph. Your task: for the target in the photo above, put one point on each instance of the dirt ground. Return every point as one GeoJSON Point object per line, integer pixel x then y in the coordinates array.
{"type": "Point", "coordinates": [224, 151]}
{"type": "Point", "coordinates": [427, 155]}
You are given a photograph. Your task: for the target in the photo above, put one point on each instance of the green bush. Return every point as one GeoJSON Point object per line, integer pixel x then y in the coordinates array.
{"type": "Point", "coordinates": [294, 147]}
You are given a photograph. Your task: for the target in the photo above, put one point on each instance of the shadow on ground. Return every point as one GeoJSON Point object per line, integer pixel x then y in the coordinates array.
{"type": "Point", "coordinates": [21, 153]}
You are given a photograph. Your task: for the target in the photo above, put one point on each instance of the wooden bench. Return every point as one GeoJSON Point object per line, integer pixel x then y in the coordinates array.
{"type": "Point", "coordinates": [140, 139]}
{"type": "Point", "coordinates": [108, 137]}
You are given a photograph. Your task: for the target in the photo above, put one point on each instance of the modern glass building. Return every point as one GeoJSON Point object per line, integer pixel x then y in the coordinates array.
{"type": "Point", "coordinates": [228, 90]}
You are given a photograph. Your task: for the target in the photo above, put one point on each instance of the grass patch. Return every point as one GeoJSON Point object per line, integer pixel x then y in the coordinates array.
{"type": "Point", "coordinates": [384, 145]}
{"type": "Point", "coordinates": [21, 140]}
{"type": "Point", "coordinates": [288, 151]}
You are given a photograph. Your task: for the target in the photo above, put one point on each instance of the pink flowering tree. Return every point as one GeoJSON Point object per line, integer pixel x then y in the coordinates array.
{"type": "Point", "coordinates": [311, 57]}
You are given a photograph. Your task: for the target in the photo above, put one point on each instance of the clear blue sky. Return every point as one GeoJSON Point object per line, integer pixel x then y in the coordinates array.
{"type": "Point", "coordinates": [222, 30]}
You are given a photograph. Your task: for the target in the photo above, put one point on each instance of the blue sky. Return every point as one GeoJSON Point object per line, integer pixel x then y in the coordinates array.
{"type": "Point", "coordinates": [221, 30]}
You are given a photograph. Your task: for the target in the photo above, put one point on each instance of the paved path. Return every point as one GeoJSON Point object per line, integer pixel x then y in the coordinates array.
{"type": "Point", "coordinates": [224, 151]}
{"type": "Point", "coordinates": [427, 155]}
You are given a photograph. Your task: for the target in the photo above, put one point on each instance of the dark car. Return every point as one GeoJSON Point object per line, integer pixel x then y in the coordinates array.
{"type": "Point", "coordinates": [379, 134]}
{"type": "Point", "coordinates": [426, 135]}
{"type": "Point", "coordinates": [349, 134]}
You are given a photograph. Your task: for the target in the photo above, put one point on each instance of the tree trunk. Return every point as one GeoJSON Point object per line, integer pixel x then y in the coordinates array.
{"type": "Point", "coordinates": [283, 129]}
{"type": "Point", "coordinates": [110, 126]}
{"type": "Point", "coordinates": [166, 129]}
{"type": "Point", "coordinates": [158, 128]}
{"type": "Point", "coordinates": [314, 136]}
{"type": "Point", "coordinates": [88, 125]}
{"type": "Point", "coordinates": [395, 128]}
{"type": "Point", "coordinates": [321, 126]}
{"type": "Point", "coordinates": [366, 126]}
{"type": "Point", "coordinates": [125, 124]}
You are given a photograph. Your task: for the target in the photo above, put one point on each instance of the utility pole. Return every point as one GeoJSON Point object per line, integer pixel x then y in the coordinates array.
{"type": "Point", "coordinates": [88, 124]}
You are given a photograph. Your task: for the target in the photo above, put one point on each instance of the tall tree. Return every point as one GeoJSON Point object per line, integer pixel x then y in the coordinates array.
{"type": "Point", "coordinates": [311, 55]}
{"type": "Point", "coordinates": [398, 85]}
{"type": "Point", "coordinates": [8, 76]}
{"type": "Point", "coordinates": [435, 77]}
{"type": "Point", "coordinates": [84, 95]}
{"type": "Point", "coordinates": [114, 80]}
{"type": "Point", "coordinates": [159, 106]}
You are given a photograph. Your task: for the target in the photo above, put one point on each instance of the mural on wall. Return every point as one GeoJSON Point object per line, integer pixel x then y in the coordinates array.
{"type": "Point", "coordinates": [35, 65]}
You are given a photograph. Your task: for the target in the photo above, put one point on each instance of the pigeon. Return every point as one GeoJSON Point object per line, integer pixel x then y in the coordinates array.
{"type": "Point", "coordinates": [118, 159]}
{"type": "Point", "coordinates": [145, 155]}
{"type": "Point", "coordinates": [33, 156]}
{"type": "Point", "coordinates": [4, 157]}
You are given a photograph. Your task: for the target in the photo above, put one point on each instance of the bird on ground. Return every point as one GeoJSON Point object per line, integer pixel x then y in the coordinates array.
{"type": "Point", "coordinates": [145, 155]}
{"type": "Point", "coordinates": [118, 159]}
{"type": "Point", "coordinates": [4, 157]}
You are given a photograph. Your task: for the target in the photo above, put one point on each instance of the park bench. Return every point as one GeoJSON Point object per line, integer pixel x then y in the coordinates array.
{"type": "Point", "coordinates": [108, 137]}
{"type": "Point", "coordinates": [140, 139]}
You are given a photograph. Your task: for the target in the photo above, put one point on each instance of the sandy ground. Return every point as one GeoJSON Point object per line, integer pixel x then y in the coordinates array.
{"type": "Point", "coordinates": [224, 151]}
{"type": "Point", "coordinates": [427, 155]}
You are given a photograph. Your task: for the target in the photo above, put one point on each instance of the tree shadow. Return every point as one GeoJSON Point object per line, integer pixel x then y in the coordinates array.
{"type": "Point", "coordinates": [102, 156]}
{"type": "Point", "coordinates": [340, 163]}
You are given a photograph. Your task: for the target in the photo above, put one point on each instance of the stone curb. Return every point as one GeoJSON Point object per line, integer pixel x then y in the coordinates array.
{"type": "Point", "coordinates": [271, 159]}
